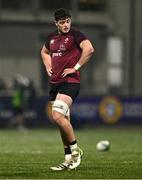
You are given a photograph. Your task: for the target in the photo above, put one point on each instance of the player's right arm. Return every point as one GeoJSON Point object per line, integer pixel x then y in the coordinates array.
{"type": "Point", "coordinates": [45, 54]}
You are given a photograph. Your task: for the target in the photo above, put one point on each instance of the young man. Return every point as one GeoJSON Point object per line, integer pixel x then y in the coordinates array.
{"type": "Point", "coordinates": [66, 50]}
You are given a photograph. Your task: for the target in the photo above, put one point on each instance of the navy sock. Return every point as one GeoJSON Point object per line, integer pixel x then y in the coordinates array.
{"type": "Point", "coordinates": [67, 150]}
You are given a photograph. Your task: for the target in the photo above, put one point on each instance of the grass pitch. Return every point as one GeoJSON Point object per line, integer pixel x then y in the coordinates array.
{"type": "Point", "coordinates": [29, 155]}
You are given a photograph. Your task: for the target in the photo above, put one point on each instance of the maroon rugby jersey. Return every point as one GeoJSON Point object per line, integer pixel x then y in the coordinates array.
{"type": "Point", "coordinates": [65, 52]}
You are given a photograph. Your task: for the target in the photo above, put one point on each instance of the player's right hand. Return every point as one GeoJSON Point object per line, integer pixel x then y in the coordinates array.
{"type": "Point", "coordinates": [49, 71]}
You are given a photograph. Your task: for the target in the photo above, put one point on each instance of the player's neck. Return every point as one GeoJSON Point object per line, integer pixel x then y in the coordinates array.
{"type": "Point", "coordinates": [61, 33]}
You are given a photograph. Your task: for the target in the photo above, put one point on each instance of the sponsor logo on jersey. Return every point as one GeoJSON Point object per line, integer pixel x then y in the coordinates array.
{"type": "Point", "coordinates": [57, 54]}
{"type": "Point", "coordinates": [66, 40]}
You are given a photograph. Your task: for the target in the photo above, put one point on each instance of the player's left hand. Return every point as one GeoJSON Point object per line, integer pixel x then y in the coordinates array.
{"type": "Point", "coordinates": [68, 71]}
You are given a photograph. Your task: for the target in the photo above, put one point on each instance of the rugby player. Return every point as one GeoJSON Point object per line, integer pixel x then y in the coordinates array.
{"type": "Point", "coordinates": [65, 51]}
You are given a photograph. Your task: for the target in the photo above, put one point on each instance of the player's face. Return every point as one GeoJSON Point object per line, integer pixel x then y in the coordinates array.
{"type": "Point", "coordinates": [64, 25]}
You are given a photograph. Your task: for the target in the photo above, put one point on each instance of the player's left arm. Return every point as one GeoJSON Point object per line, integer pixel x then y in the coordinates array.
{"type": "Point", "coordinates": [87, 52]}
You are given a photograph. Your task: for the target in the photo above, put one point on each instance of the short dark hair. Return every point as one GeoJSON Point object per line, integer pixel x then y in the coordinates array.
{"type": "Point", "coordinates": [61, 14]}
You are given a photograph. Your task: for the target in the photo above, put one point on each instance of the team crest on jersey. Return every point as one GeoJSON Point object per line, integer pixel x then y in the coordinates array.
{"type": "Point", "coordinates": [52, 41]}
{"type": "Point", "coordinates": [66, 40]}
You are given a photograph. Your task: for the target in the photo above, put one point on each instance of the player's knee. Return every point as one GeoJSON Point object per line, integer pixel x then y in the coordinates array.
{"type": "Point", "coordinates": [57, 117]}
{"type": "Point", "coordinates": [59, 110]}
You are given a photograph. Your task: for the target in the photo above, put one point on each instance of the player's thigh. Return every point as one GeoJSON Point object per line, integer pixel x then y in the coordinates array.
{"type": "Point", "coordinates": [65, 98]}
{"type": "Point", "coordinates": [67, 92]}
{"type": "Point", "coordinates": [61, 106]}
{"type": "Point", "coordinates": [70, 89]}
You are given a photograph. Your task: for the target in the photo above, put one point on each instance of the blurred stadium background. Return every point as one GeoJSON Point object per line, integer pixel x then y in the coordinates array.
{"type": "Point", "coordinates": [110, 101]}
{"type": "Point", "coordinates": [111, 89]}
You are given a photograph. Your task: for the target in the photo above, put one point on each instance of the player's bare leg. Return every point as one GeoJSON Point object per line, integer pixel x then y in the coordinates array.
{"type": "Point", "coordinates": [68, 137]}
{"type": "Point", "coordinates": [67, 148]}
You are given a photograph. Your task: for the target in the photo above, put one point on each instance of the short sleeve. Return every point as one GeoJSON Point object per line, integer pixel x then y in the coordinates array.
{"type": "Point", "coordinates": [79, 36]}
{"type": "Point", "coordinates": [47, 42]}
